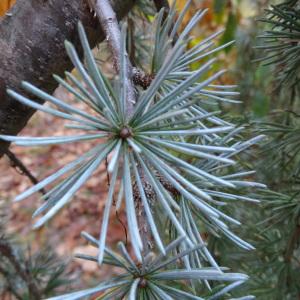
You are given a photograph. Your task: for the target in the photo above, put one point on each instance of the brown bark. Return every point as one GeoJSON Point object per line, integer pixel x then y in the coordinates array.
{"type": "Point", "coordinates": [32, 39]}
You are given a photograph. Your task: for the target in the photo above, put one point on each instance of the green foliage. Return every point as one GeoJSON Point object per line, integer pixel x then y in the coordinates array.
{"type": "Point", "coordinates": [230, 31]}
{"type": "Point", "coordinates": [274, 229]}
{"type": "Point", "coordinates": [174, 134]}
{"type": "Point", "coordinates": [281, 42]}
{"type": "Point", "coordinates": [45, 269]}
{"type": "Point", "coordinates": [219, 6]}
{"type": "Point", "coordinates": [21, 268]}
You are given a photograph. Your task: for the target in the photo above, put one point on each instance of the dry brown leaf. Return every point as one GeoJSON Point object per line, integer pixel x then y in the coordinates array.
{"type": "Point", "coordinates": [5, 5]}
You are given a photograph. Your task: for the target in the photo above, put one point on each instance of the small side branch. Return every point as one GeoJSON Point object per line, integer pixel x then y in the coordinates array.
{"type": "Point", "coordinates": [110, 26]}
{"type": "Point", "coordinates": [18, 165]}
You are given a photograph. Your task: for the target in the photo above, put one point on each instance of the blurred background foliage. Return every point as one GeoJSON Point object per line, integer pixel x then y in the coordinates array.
{"type": "Point", "coordinates": [264, 63]}
{"type": "Point", "coordinates": [238, 19]}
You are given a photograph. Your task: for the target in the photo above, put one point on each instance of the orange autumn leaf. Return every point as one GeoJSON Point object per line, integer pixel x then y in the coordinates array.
{"type": "Point", "coordinates": [5, 5]}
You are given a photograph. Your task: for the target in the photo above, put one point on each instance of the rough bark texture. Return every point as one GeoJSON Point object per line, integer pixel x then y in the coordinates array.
{"type": "Point", "coordinates": [32, 39]}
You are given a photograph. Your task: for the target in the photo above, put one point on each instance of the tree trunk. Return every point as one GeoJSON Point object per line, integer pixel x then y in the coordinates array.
{"type": "Point", "coordinates": [32, 37]}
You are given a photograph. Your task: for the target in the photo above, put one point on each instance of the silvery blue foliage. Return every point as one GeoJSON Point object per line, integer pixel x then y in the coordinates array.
{"type": "Point", "coordinates": [151, 280]}
{"type": "Point", "coordinates": [174, 132]}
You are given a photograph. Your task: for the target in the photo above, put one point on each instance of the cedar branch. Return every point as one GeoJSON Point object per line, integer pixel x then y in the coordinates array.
{"type": "Point", "coordinates": [32, 49]}
{"type": "Point", "coordinates": [111, 28]}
